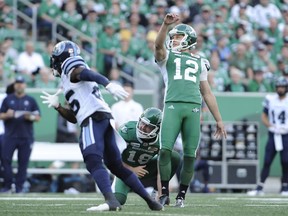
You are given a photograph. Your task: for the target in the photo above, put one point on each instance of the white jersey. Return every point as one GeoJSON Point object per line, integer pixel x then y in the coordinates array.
{"type": "Point", "coordinates": [276, 109]}
{"type": "Point", "coordinates": [83, 97]}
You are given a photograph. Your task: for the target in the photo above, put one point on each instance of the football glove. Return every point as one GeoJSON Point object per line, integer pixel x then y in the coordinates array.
{"type": "Point", "coordinates": [282, 129]}
{"type": "Point", "coordinates": [117, 91]}
{"type": "Point", "coordinates": [51, 100]}
{"type": "Point", "coordinates": [272, 129]}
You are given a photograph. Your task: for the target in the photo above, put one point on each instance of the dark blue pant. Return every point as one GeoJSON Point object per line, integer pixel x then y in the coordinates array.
{"type": "Point", "coordinates": [270, 153]}
{"type": "Point", "coordinates": [98, 144]}
{"type": "Point", "coordinates": [24, 147]}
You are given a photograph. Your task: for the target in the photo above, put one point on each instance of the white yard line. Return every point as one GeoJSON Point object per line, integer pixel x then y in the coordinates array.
{"type": "Point", "coordinates": [49, 198]}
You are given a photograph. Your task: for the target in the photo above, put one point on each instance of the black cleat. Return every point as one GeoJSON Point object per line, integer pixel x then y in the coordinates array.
{"type": "Point", "coordinates": [155, 206]}
{"type": "Point", "coordinates": [164, 200]}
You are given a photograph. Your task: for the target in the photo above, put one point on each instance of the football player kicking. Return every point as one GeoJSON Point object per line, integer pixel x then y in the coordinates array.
{"type": "Point", "coordinates": [185, 78]}
{"type": "Point", "coordinates": [88, 109]}
{"type": "Point", "coordinates": [141, 153]}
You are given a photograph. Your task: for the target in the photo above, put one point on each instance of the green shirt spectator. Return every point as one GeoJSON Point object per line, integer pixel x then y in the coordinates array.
{"type": "Point", "coordinates": [258, 83]}
{"type": "Point", "coordinates": [48, 8]}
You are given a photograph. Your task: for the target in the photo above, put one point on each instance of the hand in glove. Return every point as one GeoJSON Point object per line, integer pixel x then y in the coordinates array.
{"type": "Point", "coordinates": [272, 129]}
{"type": "Point", "coordinates": [51, 100]}
{"type": "Point", "coordinates": [282, 129]}
{"type": "Point", "coordinates": [117, 91]}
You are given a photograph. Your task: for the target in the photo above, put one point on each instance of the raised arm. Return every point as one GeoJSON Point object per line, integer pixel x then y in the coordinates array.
{"type": "Point", "coordinates": [160, 51]}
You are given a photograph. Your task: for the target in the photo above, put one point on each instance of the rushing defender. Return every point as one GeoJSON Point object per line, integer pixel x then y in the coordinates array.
{"type": "Point", "coordinates": [90, 111]}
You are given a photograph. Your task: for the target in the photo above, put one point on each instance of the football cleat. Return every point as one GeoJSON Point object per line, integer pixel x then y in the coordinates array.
{"type": "Point", "coordinates": [179, 202]}
{"type": "Point", "coordinates": [164, 200]}
{"type": "Point", "coordinates": [284, 193]}
{"type": "Point", "coordinates": [255, 193]}
{"type": "Point", "coordinates": [155, 206]}
{"type": "Point", "coordinates": [106, 207]}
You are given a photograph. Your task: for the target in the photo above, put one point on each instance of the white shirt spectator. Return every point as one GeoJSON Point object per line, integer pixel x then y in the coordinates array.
{"type": "Point", "coordinates": [264, 13]}
{"type": "Point", "coordinates": [126, 110]}
{"type": "Point", "coordinates": [29, 61]}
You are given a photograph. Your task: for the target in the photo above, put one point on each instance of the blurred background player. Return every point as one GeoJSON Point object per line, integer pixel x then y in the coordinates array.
{"type": "Point", "coordinates": [275, 118]}
{"type": "Point", "coordinates": [141, 153]}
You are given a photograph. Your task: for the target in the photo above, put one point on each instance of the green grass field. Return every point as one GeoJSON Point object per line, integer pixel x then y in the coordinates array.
{"type": "Point", "coordinates": [196, 205]}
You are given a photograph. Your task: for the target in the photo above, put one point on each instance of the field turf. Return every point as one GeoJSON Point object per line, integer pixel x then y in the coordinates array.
{"type": "Point", "coordinates": [41, 204]}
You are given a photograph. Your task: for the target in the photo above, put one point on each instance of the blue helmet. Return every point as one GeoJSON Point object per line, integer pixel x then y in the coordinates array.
{"type": "Point", "coordinates": [60, 53]}
{"type": "Point", "coordinates": [281, 82]}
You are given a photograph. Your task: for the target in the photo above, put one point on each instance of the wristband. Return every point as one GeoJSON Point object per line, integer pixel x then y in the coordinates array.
{"type": "Point", "coordinates": [57, 108]}
{"type": "Point", "coordinates": [32, 117]}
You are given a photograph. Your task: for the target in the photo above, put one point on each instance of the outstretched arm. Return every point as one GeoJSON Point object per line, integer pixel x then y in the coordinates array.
{"type": "Point", "coordinates": [85, 74]}
{"type": "Point", "coordinates": [211, 102]}
{"type": "Point", "coordinates": [160, 51]}
{"type": "Point", "coordinates": [53, 101]}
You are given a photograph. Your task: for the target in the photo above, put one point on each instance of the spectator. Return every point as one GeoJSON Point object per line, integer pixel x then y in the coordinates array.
{"type": "Point", "coordinates": [47, 12]}
{"type": "Point", "coordinates": [11, 53]}
{"type": "Point", "coordinates": [108, 44]}
{"type": "Point", "coordinates": [242, 12]}
{"type": "Point", "coordinates": [240, 59]}
{"type": "Point", "coordinates": [71, 16]}
{"type": "Point", "coordinates": [262, 59]}
{"type": "Point", "coordinates": [195, 8]}
{"type": "Point", "coordinates": [29, 63]}
{"type": "Point", "coordinates": [6, 16]}
{"type": "Point", "coordinates": [128, 109]}
{"type": "Point", "coordinates": [18, 111]}
{"type": "Point", "coordinates": [126, 52]}
{"type": "Point", "coordinates": [205, 17]}
{"type": "Point", "coordinates": [92, 28]}
{"type": "Point", "coordinates": [259, 83]}
{"type": "Point", "coordinates": [236, 84]}
{"type": "Point", "coordinates": [265, 10]}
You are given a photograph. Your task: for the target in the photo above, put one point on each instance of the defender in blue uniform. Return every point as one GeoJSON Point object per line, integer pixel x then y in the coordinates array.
{"type": "Point", "coordinates": [88, 109]}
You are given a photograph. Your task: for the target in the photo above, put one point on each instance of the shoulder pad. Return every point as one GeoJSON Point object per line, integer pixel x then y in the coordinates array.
{"type": "Point", "coordinates": [128, 129]}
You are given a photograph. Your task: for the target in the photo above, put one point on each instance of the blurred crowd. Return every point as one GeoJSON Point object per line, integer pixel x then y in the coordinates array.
{"type": "Point", "coordinates": [246, 41]}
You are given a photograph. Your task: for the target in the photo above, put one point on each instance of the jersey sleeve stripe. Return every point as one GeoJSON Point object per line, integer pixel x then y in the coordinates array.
{"type": "Point", "coordinates": [72, 63]}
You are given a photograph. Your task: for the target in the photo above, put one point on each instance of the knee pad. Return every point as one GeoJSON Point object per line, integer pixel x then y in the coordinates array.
{"type": "Point", "coordinates": [93, 162]}
{"type": "Point", "coordinates": [164, 157]}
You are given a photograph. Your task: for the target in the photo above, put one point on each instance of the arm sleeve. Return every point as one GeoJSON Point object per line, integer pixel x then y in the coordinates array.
{"type": "Point", "coordinates": [205, 67]}
{"type": "Point", "coordinates": [88, 75]}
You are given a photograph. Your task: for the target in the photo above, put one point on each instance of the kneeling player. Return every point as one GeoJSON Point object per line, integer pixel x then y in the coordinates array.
{"type": "Point", "coordinates": [141, 153]}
